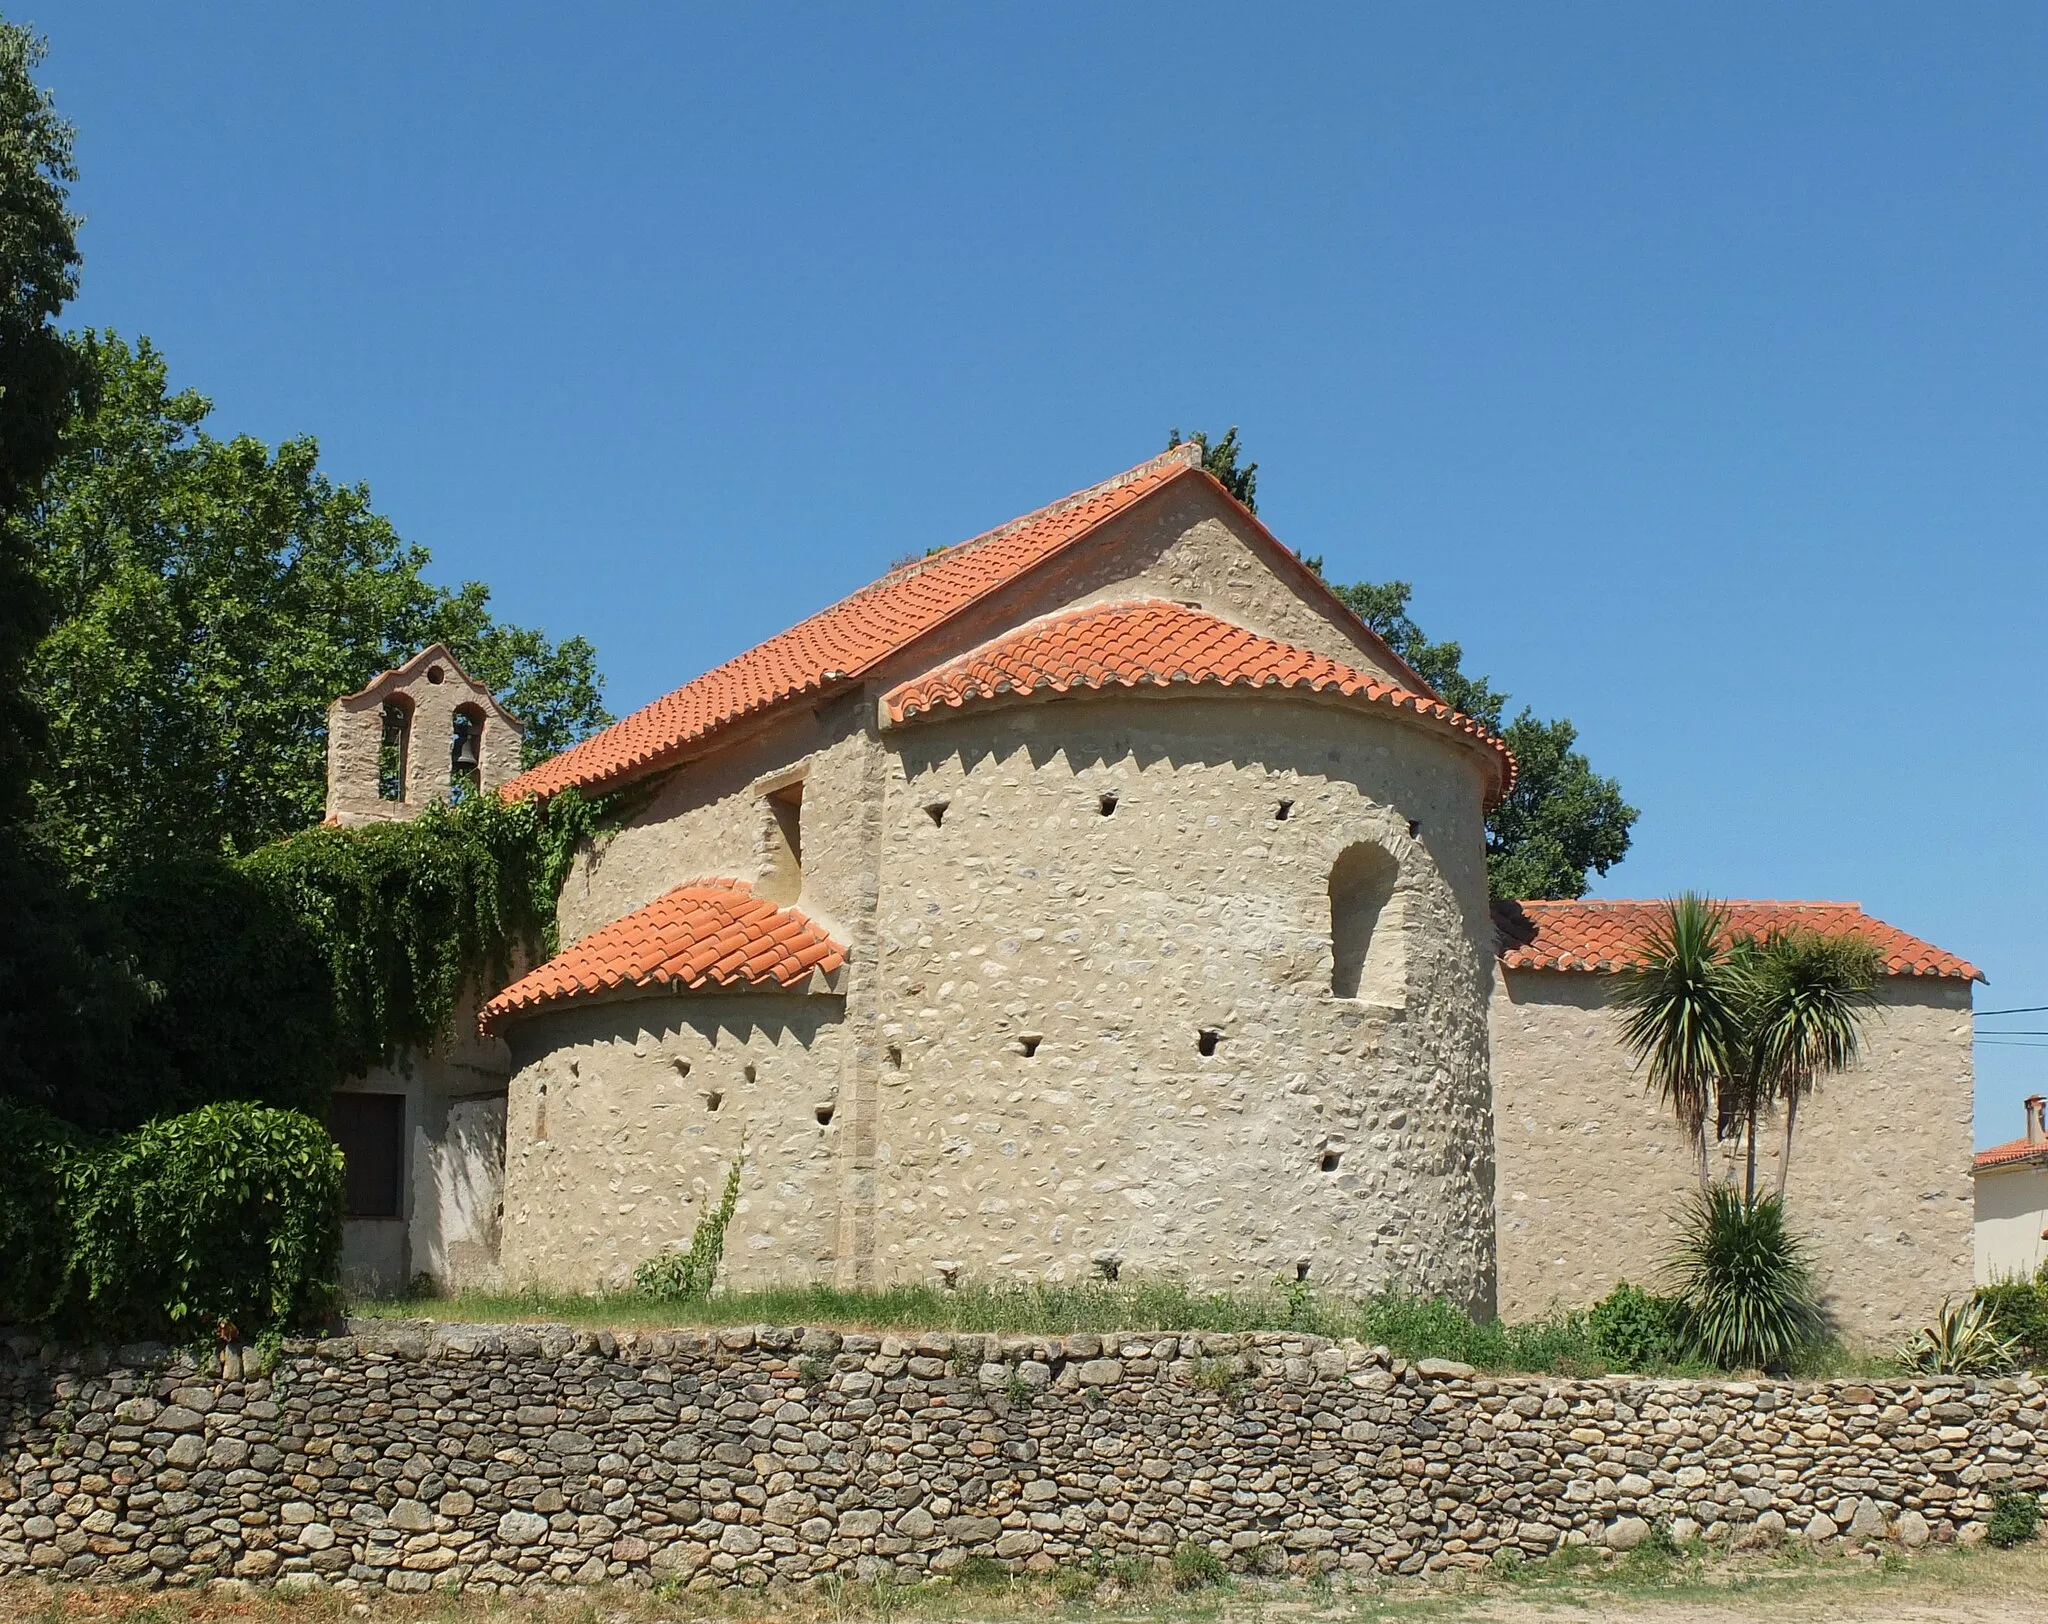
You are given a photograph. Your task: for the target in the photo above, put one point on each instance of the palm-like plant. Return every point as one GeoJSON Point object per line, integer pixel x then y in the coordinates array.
{"type": "Point", "coordinates": [1682, 1014]}
{"type": "Point", "coordinates": [1730, 1026]}
{"type": "Point", "coordinates": [1745, 1284]}
{"type": "Point", "coordinates": [1809, 995]}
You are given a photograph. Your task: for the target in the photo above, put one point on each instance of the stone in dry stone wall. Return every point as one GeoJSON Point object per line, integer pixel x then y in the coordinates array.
{"type": "Point", "coordinates": [414, 1457]}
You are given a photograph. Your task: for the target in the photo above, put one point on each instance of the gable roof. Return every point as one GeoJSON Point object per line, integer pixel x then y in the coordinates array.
{"type": "Point", "coordinates": [1151, 643]}
{"type": "Point", "coordinates": [1604, 935]}
{"type": "Point", "coordinates": [2009, 1154]}
{"type": "Point", "coordinates": [708, 935]}
{"type": "Point", "coordinates": [837, 645]}
{"type": "Point", "coordinates": [402, 674]}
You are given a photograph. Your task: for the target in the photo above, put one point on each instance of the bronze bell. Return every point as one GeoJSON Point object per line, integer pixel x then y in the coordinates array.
{"type": "Point", "coordinates": [463, 758]}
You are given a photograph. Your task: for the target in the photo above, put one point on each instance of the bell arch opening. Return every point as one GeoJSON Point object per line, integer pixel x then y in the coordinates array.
{"type": "Point", "coordinates": [1368, 957]}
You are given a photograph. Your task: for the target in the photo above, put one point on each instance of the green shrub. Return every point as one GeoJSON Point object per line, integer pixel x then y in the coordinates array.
{"type": "Point", "coordinates": [1196, 1567]}
{"type": "Point", "coordinates": [2015, 1517]}
{"type": "Point", "coordinates": [35, 1214]}
{"type": "Point", "coordinates": [1634, 1330]}
{"type": "Point", "coordinates": [1962, 1340]}
{"type": "Point", "coordinates": [672, 1276]}
{"type": "Point", "coordinates": [1746, 1296]}
{"type": "Point", "coordinates": [227, 1217]}
{"type": "Point", "coordinates": [2019, 1313]}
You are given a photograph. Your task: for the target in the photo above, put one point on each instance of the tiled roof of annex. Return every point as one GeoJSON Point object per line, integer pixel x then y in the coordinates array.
{"type": "Point", "coordinates": [840, 643]}
{"type": "Point", "coordinates": [1607, 935]}
{"type": "Point", "coordinates": [1151, 643]}
{"type": "Point", "coordinates": [707, 935]}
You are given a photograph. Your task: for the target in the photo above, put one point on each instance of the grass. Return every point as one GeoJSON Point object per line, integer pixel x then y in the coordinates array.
{"type": "Point", "coordinates": [1411, 1327]}
{"type": "Point", "coordinates": [1656, 1582]}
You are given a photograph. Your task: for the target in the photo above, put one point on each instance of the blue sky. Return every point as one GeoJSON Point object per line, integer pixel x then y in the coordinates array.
{"type": "Point", "coordinates": [1688, 359]}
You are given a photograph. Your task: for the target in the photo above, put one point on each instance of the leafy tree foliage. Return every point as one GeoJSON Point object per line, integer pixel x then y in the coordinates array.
{"type": "Point", "coordinates": [1220, 459]}
{"type": "Point", "coordinates": [211, 597]}
{"type": "Point", "coordinates": [38, 375]}
{"type": "Point", "coordinates": [1562, 821]}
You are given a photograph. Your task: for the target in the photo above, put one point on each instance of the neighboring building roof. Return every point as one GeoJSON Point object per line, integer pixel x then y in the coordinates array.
{"type": "Point", "coordinates": [2011, 1154]}
{"type": "Point", "coordinates": [837, 645]}
{"type": "Point", "coordinates": [708, 935]}
{"type": "Point", "coordinates": [1603, 935]}
{"type": "Point", "coordinates": [1150, 643]}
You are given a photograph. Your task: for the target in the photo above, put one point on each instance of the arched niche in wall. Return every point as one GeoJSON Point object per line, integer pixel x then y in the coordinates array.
{"type": "Point", "coordinates": [1368, 955]}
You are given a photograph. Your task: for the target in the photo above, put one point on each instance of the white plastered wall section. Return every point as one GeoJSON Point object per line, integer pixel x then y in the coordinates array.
{"type": "Point", "coordinates": [2011, 1216]}
{"type": "Point", "coordinates": [1116, 941]}
{"type": "Point", "coordinates": [624, 1117]}
{"type": "Point", "coordinates": [1591, 1170]}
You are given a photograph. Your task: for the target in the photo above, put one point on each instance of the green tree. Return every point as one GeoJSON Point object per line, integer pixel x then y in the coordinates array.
{"type": "Point", "coordinates": [211, 597]}
{"type": "Point", "coordinates": [1220, 459]}
{"type": "Point", "coordinates": [38, 376]}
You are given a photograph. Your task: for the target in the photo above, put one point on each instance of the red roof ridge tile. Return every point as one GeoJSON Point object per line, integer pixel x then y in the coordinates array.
{"type": "Point", "coordinates": [848, 638]}
{"type": "Point", "coordinates": [711, 932]}
{"type": "Point", "coordinates": [1592, 934]}
{"type": "Point", "coordinates": [2011, 1153]}
{"type": "Point", "coordinates": [1156, 642]}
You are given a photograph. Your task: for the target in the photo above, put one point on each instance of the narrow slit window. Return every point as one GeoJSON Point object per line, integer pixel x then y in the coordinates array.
{"type": "Point", "coordinates": [782, 834]}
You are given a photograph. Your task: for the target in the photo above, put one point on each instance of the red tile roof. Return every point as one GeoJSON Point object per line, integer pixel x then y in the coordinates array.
{"type": "Point", "coordinates": [2012, 1151]}
{"type": "Point", "coordinates": [837, 645]}
{"type": "Point", "coordinates": [1605, 935]}
{"type": "Point", "coordinates": [707, 935]}
{"type": "Point", "coordinates": [1150, 643]}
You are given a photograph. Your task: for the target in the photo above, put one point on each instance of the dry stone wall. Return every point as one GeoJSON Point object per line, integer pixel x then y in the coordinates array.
{"type": "Point", "coordinates": [413, 1457]}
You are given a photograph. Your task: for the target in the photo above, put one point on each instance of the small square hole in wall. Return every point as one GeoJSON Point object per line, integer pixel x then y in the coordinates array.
{"type": "Point", "coordinates": [1414, 829]}
{"type": "Point", "coordinates": [1106, 805]}
{"type": "Point", "coordinates": [895, 1058]}
{"type": "Point", "coordinates": [749, 1072]}
{"type": "Point", "coordinates": [936, 811]}
{"type": "Point", "coordinates": [1283, 811]}
{"type": "Point", "coordinates": [1301, 1271]}
{"type": "Point", "coordinates": [1331, 1160]}
{"type": "Point", "coordinates": [682, 1068]}
{"type": "Point", "coordinates": [713, 1099]}
{"type": "Point", "coordinates": [1208, 1040]}
{"type": "Point", "coordinates": [1028, 1044]}
{"type": "Point", "coordinates": [824, 1114]}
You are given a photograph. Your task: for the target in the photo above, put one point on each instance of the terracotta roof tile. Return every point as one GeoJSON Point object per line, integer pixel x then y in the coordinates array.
{"type": "Point", "coordinates": [1150, 643]}
{"type": "Point", "coordinates": [837, 645]}
{"type": "Point", "coordinates": [841, 642]}
{"type": "Point", "coordinates": [2010, 1153]}
{"type": "Point", "coordinates": [1606, 935]}
{"type": "Point", "coordinates": [707, 935]}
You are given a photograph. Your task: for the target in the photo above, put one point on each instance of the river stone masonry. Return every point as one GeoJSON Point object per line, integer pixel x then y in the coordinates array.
{"type": "Point", "coordinates": [413, 1456]}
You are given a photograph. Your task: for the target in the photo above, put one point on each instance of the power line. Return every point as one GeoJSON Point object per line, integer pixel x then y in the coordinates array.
{"type": "Point", "coordinates": [2031, 1009]}
{"type": "Point", "coordinates": [2015, 1032]}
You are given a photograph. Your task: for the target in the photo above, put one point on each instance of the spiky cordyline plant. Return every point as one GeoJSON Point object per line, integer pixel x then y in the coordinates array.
{"type": "Point", "coordinates": [1809, 994]}
{"type": "Point", "coordinates": [1745, 1286]}
{"type": "Point", "coordinates": [1681, 1014]}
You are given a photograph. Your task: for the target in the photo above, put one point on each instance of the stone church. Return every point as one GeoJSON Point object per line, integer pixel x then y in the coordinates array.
{"type": "Point", "coordinates": [1098, 896]}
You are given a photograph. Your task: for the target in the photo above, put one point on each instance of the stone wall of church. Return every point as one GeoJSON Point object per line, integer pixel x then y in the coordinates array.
{"type": "Point", "coordinates": [625, 1116]}
{"type": "Point", "coordinates": [1592, 1169]}
{"type": "Point", "coordinates": [1108, 1026]}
